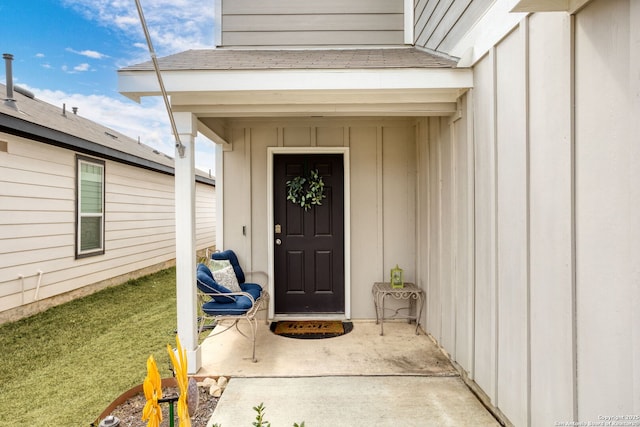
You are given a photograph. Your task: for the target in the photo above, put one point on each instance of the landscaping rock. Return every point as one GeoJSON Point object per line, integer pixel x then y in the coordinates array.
{"type": "Point", "coordinates": [222, 382]}
{"type": "Point", "coordinates": [208, 382]}
{"type": "Point", "coordinates": [215, 391]}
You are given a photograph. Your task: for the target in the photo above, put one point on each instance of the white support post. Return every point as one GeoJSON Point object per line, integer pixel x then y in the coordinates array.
{"type": "Point", "coordinates": [185, 195]}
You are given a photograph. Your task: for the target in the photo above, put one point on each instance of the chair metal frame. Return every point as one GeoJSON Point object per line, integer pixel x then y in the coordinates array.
{"type": "Point", "coordinates": [215, 321]}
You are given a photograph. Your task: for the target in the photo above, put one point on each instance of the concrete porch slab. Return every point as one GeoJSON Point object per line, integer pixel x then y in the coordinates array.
{"type": "Point", "coordinates": [358, 379]}
{"type": "Point", "coordinates": [361, 352]}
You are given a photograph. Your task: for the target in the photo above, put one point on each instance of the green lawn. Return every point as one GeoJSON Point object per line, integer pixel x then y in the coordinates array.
{"type": "Point", "coordinates": [64, 366]}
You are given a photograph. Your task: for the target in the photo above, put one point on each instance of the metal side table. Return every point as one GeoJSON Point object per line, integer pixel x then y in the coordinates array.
{"type": "Point", "coordinates": [410, 292]}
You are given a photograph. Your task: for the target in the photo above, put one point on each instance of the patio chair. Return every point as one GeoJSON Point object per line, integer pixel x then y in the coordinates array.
{"type": "Point", "coordinates": [224, 295]}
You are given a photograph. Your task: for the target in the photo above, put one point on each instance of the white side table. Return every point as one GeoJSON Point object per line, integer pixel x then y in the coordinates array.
{"type": "Point", "coordinates": [413, 294]}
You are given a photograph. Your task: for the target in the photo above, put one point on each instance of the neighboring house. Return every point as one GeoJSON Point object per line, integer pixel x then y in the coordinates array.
{"type": "Point", "coordinates": [490, 148]}
{"type": "Point", "coordinates": [82, 206]}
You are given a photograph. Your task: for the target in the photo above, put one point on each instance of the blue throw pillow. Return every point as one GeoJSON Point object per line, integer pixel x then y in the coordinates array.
{"type": "Point", "coordinates": [210, 287]}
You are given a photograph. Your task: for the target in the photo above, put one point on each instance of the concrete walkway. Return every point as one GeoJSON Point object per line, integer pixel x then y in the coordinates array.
{"type": "Point", "coordinates": [359, 379]}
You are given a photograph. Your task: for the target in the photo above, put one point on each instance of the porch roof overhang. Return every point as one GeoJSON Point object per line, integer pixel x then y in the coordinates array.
{"type": "Point", "coordinates": [223, 83]}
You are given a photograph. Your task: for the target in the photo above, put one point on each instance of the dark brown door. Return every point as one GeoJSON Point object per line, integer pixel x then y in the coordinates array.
{"type": "Point", "coordinates": [309, 244]}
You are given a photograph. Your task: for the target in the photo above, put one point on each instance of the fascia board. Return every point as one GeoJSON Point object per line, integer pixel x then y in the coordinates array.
{"type": "Point", "coordinates": [144, 83]}
{"type": "Point", "coordinates": [569, 6]}
{"type": "Point", "coordinates": [493, 26]}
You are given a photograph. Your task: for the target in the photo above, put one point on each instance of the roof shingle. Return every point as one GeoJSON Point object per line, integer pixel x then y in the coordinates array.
{"type": "Point", "coordinates": [235, 59]}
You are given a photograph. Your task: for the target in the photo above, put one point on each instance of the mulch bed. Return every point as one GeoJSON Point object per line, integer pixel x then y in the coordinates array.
{"type": "Point", "coordinates": [130, 412]}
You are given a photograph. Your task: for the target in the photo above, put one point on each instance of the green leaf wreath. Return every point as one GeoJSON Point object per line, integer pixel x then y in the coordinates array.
{"type": "Point", "coordinates": [306, 191]}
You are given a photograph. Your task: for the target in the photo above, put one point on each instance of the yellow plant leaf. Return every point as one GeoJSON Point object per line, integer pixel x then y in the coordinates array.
{"type": "Point", "coordinates": [180, 369]}
{"type": "Point", "coordinates": [152, 387]}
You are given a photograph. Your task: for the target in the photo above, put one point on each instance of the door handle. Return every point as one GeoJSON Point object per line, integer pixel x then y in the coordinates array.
{"type": "Point", "coordinates": [278, 242]}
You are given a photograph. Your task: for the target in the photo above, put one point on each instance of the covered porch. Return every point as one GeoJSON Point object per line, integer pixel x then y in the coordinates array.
{"type": "Point", "coordinates": [376, 112]}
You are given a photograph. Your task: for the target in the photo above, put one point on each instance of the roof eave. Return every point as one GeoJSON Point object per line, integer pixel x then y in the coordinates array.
{"type": "Point", "coordinates": [138, 83]}
{"type": "Point", "coordinates": [269, 93]}
{"type": "Point", "coordinates": [15, 126]}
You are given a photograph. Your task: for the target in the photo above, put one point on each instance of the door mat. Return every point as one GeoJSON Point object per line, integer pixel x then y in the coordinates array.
{"type": "Point", "coordinates": [311, 329]}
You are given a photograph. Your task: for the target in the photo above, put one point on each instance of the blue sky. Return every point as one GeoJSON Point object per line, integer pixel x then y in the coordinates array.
{"type": "Point", "coordinates": [68, 51]}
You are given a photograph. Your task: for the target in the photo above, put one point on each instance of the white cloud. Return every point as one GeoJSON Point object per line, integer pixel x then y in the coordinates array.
{"type": "Point", "coordinates": [88, 53]}
{"type": "Point", "coordinates": [81, 67]}
{"type": "Point", "coordinates": [174, 25]}
{"type": "Point", "coordinates": [126, 21]}
{"type": "Point", "coordinates": [39, 55]}
{"type": "Point", "coordinates": [147, 121]}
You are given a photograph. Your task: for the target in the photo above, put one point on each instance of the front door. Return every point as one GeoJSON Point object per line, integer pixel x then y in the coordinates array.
{"type": "Point", "coordinates": [309, 243]}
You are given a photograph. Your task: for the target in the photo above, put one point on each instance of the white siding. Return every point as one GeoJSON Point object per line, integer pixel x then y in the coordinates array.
{"type": "Point", "coordinates": [445, 229]}
{"type": "Point", "coordinates": [512, 226]}
{"type": "Point", "coordinates": [485, 363]}
{"type": "Point", "coordinates": [555, 289]}
{"type": "Point", "coordinates": [446, 223]}
{"type": "Point", "coordinates": [205, 216]}
{"type": "Point", "coordinates": [367, 238]}
{"type": "Point", "coordinates": [434, 288]}
{"type": "Point", "coordinates": [551, 264]}
{"type": "Point", "coordinates": [37, 224]}
{"type": "Point", "coordinates": [463, 264]}
{"type": "Point", "coordinates": [607, 172]}
{"type": "Point", "coordinates": [306, 23]}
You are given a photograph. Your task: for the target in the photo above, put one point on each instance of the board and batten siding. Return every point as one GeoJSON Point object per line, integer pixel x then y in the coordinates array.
{"type": "Point", "coordinates": [554, 230]}
{"type": "Point", "coordinates": [607, 206]}
{"type": "Point", "coordinates": [307, 23]}
{"type": "Point", "coordinates": [445, 222]}
{"type": "Point", "coordinates": [37, 225]}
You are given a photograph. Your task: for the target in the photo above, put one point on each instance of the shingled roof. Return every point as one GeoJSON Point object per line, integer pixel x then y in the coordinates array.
{"type": "Point", "coordinates": [236, 59]}
{"type": "Point", "coordinates": [37, 120]}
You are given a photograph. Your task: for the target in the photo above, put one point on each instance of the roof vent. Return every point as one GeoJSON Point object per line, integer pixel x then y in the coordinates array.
{"type": "Point", "coordinates": [9, 101]}
{"type": "Point", "coordinates": [24, 92]}
{"type": "Point", "coordinates": [75, 110]}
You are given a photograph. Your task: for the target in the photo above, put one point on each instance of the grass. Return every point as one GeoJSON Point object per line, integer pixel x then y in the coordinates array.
{"type": "Point", "coordinates": [64, 366]}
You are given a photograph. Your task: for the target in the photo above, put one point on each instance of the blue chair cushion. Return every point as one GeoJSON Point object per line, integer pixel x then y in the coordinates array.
{"type": "Point", "coordinates": [240, 306]}
{"type": "Point", "coordinates": [252, 289]}
{"type": "Point", "coordinates": [209, 286]}
{"type": "Point", "coordinates": [230, 256]}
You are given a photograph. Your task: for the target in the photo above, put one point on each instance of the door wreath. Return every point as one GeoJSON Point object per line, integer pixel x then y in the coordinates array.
{"type": "Point", "coordinates": [306, 190]}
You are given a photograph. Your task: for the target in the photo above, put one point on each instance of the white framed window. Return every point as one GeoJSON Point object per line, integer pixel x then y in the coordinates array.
{"type": "Point", "coordinates": [89, 206]}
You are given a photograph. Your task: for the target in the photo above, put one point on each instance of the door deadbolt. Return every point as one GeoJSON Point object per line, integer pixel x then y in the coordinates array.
{"type": "Point", "coordinates": [278, 242]}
